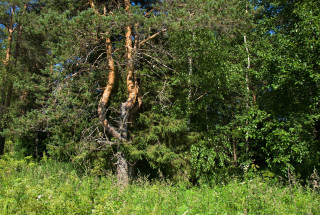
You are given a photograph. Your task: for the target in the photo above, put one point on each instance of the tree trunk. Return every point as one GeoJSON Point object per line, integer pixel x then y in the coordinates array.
{"type": "Point", "coordinates": [2, 141]}
{"type": "Point", "coordinates": [9, 95]}
{"type": "Point", "coordinates": [189, 90]}
{"type": "Point", "coordinates": [248, 87]}
{"type": "Point", "coordinates": [122, 170]}
{"type": "Point", "coordinates": [317, 130]}
{"type": "Point", "coordinates": [2, 124]}
{"type": "Point", "coordinates": [107, 92]}
{"type": "Point", "coordinates": [234, 146]}
{"type": "Point", "coordinates": [36, 141]}
{"type": "Point", "coordinates": [127, 108]}
{"type": "Point", "coordinates": [248, 91]}
{"type": "Point", "coordinates": [122, 164]}
{"type": "Point", "coordinates": [7, 84]}
{"type": "Point", "coordinates": [133, 89]}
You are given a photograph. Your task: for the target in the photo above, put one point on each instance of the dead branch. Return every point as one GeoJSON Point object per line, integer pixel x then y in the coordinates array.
{"type": "Point", "coordinates": [152, 36]}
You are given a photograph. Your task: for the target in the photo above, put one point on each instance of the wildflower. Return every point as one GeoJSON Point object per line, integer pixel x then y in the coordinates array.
{"type": "Point", "coordinates": [38, 197]}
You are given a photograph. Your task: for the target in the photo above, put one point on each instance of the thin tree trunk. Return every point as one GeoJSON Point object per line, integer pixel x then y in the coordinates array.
{"type": "Point", "coordinates": [9, 95]}
{"type": "Point", "coordinates": [190, 71]}
{"type": "Point", "coordinates": [248, 86]}
{"type": "Point", "coordinates": [248, 92]}
{"type": "Point", "coordinates": [234, 146]}
{"type": "Point", "coordinates": [2, 142]}
{"type": "Point", "coordinates": [14, 64]}
{"type": "Point", "coordinates": [36, 145]}
{"type": "Point", "coordinates": [7, 65]}
{"type": "Point", "coordinates": [7, 84]}
{"type": "Point", "coordinates": [189, 90]}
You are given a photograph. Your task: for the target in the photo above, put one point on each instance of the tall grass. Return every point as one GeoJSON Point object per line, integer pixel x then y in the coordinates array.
{"type": "Point", "coordinates": [50, 187]}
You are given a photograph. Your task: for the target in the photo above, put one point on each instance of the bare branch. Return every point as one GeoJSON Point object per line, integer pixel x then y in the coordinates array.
{"type": "Point", "coordinates": [113, 143]}
{"type": "Point", "coordinates": [149, 12]}
{"type": "Point", "coordinates": [158, 61]}
{"type": "Point", "coordinates": [152, 36]}
{"type": "Point", "coordinates": [74, 74]}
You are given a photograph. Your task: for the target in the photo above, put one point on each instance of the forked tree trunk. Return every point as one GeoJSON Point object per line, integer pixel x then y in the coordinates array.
{"type": "Point", "coordinates": [128, 107]}
{"type": "Point", "coordinates": [134, 100]}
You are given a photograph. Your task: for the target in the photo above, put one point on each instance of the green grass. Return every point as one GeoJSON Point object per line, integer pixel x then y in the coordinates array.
{"type": "Point", "coordinates": [51, 187]}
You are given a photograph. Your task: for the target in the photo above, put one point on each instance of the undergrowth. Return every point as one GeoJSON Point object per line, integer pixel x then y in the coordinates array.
{"type": "Point", "coordinates": [50, 187]}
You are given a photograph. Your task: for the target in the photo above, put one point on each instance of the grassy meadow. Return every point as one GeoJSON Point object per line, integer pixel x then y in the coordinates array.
{"type": "Point", "coordinates": [50, 187]}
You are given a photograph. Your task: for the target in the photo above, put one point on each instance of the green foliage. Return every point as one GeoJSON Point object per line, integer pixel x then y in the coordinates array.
{"type": "Point", "coordinates": [163, 143]}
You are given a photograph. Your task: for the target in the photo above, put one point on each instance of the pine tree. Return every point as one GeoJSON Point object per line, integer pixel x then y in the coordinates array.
{"type": "Point", "coordinates": [11, 13]}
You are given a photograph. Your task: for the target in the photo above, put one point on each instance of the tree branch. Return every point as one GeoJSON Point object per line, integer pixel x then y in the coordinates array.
{"type": "Point", "coordinates": [112, 130]}
{"type": "Point", "coordinates": [152, 36]}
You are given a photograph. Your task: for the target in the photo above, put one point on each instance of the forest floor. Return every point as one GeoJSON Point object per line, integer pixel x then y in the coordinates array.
{"type": "Point", "coordinates": [50, 187]}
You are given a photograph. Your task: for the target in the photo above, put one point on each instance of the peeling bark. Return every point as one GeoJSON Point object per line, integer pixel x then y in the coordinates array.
{"type": "Point", "coordinates": [134, 98]}
{"type": "Point", "coordinates": [8, 51]}
{"type": "Point", "coordinates": [107, 92]}
{"type": "Point", "coordinates": [137, 106]}
{"type": "Point", "coordinates": [6, 63]}
{"type": "Point", "coordinates": [111, 78]}
{"type": "Point", "coordinates": [133, 90]}
{"type": "Point", "coordinates": [132, 84]}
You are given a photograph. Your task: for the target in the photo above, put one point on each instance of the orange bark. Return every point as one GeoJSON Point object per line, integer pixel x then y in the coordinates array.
{"type": "Point", "coordinates": [93, 6]}
{"type": "Point", "coordinates": [132, 85]}
{"type": "Point", "coordinates": [106, 93]}
{"type": "Point", "coordinates": [7, 59]}
{"type": "Point", "coordinates": [8, 51]}
{"type": "Point", "coordinates": [10, 33]}
{"type": "Point", "coordinates": [130, 106]}
{"type": "Point", "coordinates": [6, 93]}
